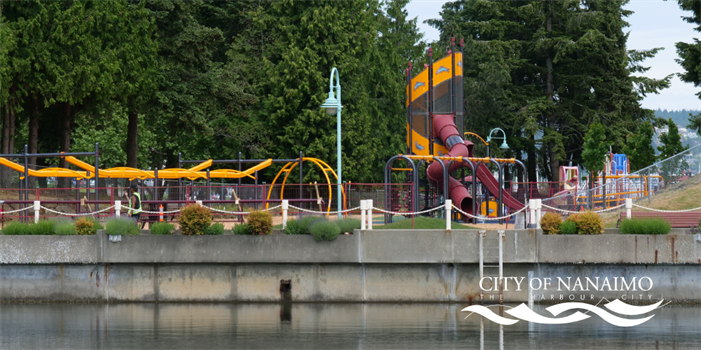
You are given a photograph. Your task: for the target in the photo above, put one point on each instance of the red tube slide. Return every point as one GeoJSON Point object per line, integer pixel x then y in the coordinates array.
{"type": "Point", "coordinates": [445, 129]}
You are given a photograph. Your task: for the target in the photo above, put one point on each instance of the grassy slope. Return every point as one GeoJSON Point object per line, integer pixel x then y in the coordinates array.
{"type": "Point", "coordinates": [684, 195]}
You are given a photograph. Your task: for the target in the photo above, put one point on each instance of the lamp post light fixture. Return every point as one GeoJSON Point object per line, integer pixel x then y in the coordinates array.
{"type": "Point", "coordinates": [333, 106]}
{"type": "Point", "coordinates": [503, 146]}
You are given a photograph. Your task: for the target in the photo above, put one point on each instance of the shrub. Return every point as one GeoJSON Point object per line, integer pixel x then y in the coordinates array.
{"type": "Point", "coordinates": [15, 229]}
{"type": "Point", "coordinates": [121, 226]}
{"type": "Point", "coordinates": [215, 229]}
{"type": "Point", "coordinates": [194, 219]}
{"type": "Point", "coordinates": [305, 222]}
{"type": "Point", "coordinates": [295, 228]}
{"type": "Point", "coordinates": [83, 226]}
{"type": "Point", "coordinates": [43, 227]}
{"type": "Point", "coordinates": [645, 226]}
{"type": "Point", "coordinates": [260, 222]}
{"type": "Point", "coordinates": [325, 230]}
{"type": "Point", "coordinates": [162, 228]}
{"type": "Point", "coordinates": [348, 224]}
{"type": "Point", "coordinates": [95, 222]}
{"type": "Point", "coordinates": [568, 227]}
{"type": "Point", "coordinates": [64, 228]}
{"type": "Point", "coordinates": [550, 223]}
{"type": "Point", "coordinates": [588, 223]}
{"type": "Point", "coordinates": [241, 229]}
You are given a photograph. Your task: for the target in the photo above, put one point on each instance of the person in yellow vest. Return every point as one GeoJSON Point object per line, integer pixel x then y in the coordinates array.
{"type": "Point", "coordinates": [134, 203]}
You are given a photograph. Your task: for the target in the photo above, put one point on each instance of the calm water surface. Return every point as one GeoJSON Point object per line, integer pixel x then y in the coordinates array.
{"type": "Point", "coordinates": [322, 326]}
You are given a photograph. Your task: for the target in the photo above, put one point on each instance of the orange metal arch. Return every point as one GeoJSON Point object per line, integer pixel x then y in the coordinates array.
{"type": "Point", "coordinates": [325, 168]}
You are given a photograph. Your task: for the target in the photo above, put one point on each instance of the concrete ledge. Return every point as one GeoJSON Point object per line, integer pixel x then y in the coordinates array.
{"type": "Point", "coordinates": [49, 249]}
{"type": "Point", "coordinates": [368, 247]}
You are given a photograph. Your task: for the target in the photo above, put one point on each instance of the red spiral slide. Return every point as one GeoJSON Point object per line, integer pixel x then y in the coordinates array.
{"type": "Point", "coordinates": [445, 129]}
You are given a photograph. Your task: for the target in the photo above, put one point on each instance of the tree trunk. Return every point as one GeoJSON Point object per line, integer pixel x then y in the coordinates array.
{"type": "Point", "coordinates": [33, 136]}
{"type": "Point", "coordinates": [554, 162]}
{"type": "Point", "coordinates": [65, 145]}
{"type": "Point", "coordinates": [5, 172]}
{"type": "Point", "coordinates": [132, 138]}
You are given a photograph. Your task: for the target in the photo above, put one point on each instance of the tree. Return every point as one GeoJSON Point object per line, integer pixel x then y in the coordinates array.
{"type": "Point", "coordinates": [690, 56]}
{"type": "Point", "coordinates": [297, 44]}
{"type": "Point", "coordinates": [671, 145]}
{"type": "Point", "coordinates": [639, 148]}
{"type": "Point", "coordinates": [594, 152]}
{"type": "Point", "coordinates": [549, 68]}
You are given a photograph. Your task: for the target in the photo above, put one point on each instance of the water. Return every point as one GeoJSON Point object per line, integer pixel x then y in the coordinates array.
{"type": "Point", "coordinates": [321, 326]}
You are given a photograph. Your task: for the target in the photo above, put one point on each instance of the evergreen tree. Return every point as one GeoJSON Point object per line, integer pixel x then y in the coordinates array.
{"type": "Point", "coordinates": [639, 148]}
{"type": "Point", "coordinates": [594, 151]}
{"type": "Point", "coordinates": [690, 56]}
{"type": "Point", "coordinates": [549, 68]}
{"type": "Point", "coordinates": [671, 145]}
{"type": "Point", "coordinates": [296, 45]}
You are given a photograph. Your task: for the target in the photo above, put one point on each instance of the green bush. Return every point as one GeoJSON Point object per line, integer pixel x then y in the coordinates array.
{"type": "Point", "coordinates": [325, 230]}
{"type": "Point", "coordinates": [194, 219]}
{"type": "Point", "coordinates": [645, 226]}
{"type": "Point", "coordinates": [64, 228]}
{"type": "Point", "coordinates": [162, 228]}
{"type": "Point", "coordinates": [43, 227]}
{"type": "Point", "coordinates": [95, 222]}
{"type": "Point", "coordinates": [348, 225]}
{"type": "Point", "coordinates": [121, 226]}
{"type": "Point", "coordinates": [83, 226]}
{"type": "Point", "coordinates": [15, 229]}
{"type": "Point", "coordinates": [260, 222]}
{"type": "Point", "coordinates": [305, 222]}
{"type": "Point", "coordinates": [294, 228]}
{"type": "Point", "coordinates": [241, 229]}
{"type": "Point", "coordinates": [550, 223]}
{"type": "Point", "coordinates": [215, 229]}
{"type": "Point", "coordinates": [568, 227]}
{"type": "Point", "coordinates": [588, 223]}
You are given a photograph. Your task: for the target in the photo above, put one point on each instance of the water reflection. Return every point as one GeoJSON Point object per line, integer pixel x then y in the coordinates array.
{"type": "Point", "coordinates": [321, 326]}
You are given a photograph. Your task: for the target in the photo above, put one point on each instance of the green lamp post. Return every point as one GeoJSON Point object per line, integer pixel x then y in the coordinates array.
{"type": "Point", "coordinates": [503, 146]}
{"type": "Point", "coordinates": [333, 106]}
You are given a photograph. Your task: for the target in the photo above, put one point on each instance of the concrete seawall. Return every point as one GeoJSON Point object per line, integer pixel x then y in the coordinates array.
{"type": "Point", "coordinates": [372, 266]}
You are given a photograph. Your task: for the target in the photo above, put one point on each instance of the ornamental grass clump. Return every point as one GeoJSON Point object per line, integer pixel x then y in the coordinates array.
{"type": "Point", "coordinates": [121, 226]}
{"type": "Point", "coordinates": [43, 227]}
{"type": "Point", "coordinates": [162, 228]}
{"type": "Point", "coordinates": [588, 223]}
{"type": "Point", "coordinates": [260, 222]}
{"type": "Point", "coordinates": [645, 226]}
{"type": "Point", "coordinates": [325, 230]}
{"type": "Point", "coordinates": [347, 225]}
{"type": "Point", "coordinates": [305, 222]}
{"type": "Point", "coordinates": [95, 222]}
{"type": "Point", "coordinates": [568, 227]}
{"type": "Point", "coordinates": [64, 228]}
{"type": "Point", "coordinates": [550, 223]}
{"type": "Point", "coordinates": [83, 226]}
{"type": "Point", "coordinates": [241, 229]}
{"type": "Point", "coordinates": [194, 219]}
{"type": "Point", "coordinates": [294, 228]}
{"type": "Point", "coordinates": [216, 229]}
{"type": "Point", "coordinates": [15, 229]}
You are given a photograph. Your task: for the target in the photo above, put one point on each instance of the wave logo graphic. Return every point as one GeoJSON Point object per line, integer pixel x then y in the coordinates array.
{"type": "Point", "coordinates": [523, 312]}
{"type": "Point", "coordinates": [418, 83]}
{"type": "Point", "coordinates": [442, 69]}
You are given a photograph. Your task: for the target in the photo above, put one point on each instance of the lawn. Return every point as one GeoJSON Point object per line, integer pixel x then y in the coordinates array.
{"type": "Point", "coordinates": [420, 223]}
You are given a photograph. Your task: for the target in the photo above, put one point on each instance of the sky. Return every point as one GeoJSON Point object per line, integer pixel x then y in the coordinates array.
{"type": "Point", "coordinates": [654, 23]}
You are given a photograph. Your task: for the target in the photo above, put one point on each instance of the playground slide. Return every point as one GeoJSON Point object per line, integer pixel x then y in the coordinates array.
{"type": "Point", "coordinates": [492, 185]}
{"type": "Point", "coordinates": [445, 128]}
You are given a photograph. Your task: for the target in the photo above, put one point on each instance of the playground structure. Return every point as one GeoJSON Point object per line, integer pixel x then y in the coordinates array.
{"type": "Point", "coordinates": [182, 193]}
{"type": "Point", "coordinates": [435, 137]}
{"type": "Point", "coordinates": [615, 185]}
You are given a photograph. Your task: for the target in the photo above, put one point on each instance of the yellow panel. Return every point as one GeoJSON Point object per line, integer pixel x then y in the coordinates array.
{"type": "Point", "coordinates": [422, 150]}
{"type": "Point", "coordinates": [441, 73]}
{"type": "Point", "coordinates": [491, 206]}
